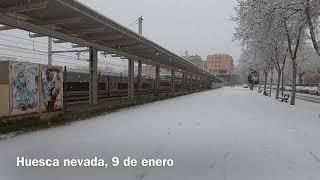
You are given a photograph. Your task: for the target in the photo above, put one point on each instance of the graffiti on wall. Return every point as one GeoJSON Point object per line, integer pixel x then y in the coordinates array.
{"type": "Point", "coordinates": [24, 88]}
{"type": "Point", "coordinates": [51, 88]}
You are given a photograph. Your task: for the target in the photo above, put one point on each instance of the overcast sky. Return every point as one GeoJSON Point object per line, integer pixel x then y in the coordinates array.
{"type": "Point", "coordinates": [200, 26]}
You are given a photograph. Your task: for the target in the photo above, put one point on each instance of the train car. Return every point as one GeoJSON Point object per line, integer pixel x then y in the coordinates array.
{"type": "Point", "coordinates": [77, 86]}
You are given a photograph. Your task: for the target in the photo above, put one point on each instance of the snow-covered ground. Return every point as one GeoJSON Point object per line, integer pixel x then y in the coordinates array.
{"type": "Point", "coordinates": [225, 134]}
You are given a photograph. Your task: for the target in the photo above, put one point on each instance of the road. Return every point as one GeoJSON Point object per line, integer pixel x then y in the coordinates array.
{"type": "Point", "coordinates": [310, 98]}
{"type": "Point", "coordinates": [227, 134]}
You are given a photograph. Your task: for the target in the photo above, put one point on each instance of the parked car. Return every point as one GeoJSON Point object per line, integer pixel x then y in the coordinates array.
{"type": "Point", "coordinates": [313, 91]}
{"type": "Point", "coordinates": [245, 86]}
{"type": "Point", "coordinates": [305, 90]}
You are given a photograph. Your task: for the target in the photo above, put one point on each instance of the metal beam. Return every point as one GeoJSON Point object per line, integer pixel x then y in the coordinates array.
{"type": "Point", "coordinates": [134, 48]}
{"type": "Point", "coordinates": [104, 53]}
{"type": "Point", "coordinates": [19, 16]}
{"type": "Point", "coordinates": [114, 55]}
{"type": "Point", "coordinates": [153, 58]}
{"type": "Point", "coordinates": [88, 31]}
{"type": "Point", "coordinates": [25, 7]}
{"type": "Point", "coordinates": [59, 41]}
{"type": "Point", "coordinates": [78, 46]}
{"type": "Point", "coordinates": [60, 22]}
{"type": "Point", "coordinates": [36, 35]}
{"type": "Point", "coordinates": [70, 51]}
{"type": "Point", "coordinates": [121, 45]}
{"type": "Point", "coordinates": [106, 38]}
{"type": "Point", "coordinates": [152, 52]}
{"type": "Point", "coordinates": [4, 28]}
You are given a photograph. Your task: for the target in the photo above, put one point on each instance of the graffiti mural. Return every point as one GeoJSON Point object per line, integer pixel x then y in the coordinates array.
{"type": "Point", "coordinates": [24, 88]}
{"type": "Point", "coordinates": [51, 88]}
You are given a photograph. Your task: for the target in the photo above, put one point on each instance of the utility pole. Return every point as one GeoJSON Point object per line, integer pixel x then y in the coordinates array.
{"type": "Point", "coordinates": [140, 24]}
{"type": "Point", "coordinates": [140, 63]}
{"type": "Point", "coordinates": [50, 51]}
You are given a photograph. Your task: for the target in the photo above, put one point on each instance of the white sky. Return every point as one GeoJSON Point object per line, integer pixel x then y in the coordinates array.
{"type": "Point", "coordinates": [201, 26]}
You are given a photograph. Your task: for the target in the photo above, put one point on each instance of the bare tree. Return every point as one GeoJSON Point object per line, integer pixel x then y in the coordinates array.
{"type": "Point", "coordinates": [279, 60]}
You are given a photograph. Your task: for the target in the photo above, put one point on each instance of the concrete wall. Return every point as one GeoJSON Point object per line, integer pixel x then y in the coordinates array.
{"type": "Point", "coordinates": [4, 100]}
{"type": "Point", "coordinates": [4, 72]}
{"type": "Point", "coordinates": [27, 88]}
{"type": "Point", "coordinates": [24, 84]}
{"type": "Point", "coordinates": [4, 88]}
{"type": "Point", "coordinates": [51, 88]}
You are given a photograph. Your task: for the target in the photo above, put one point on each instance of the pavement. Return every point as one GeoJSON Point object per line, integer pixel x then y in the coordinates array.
{"type": "Point", "coordinates": [225, 134]}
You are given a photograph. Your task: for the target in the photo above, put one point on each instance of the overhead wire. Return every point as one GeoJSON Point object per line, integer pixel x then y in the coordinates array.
{"type": "Point", "coordinates": [42, 53]}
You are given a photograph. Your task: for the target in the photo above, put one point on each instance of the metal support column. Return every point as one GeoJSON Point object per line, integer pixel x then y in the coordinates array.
{"type": "Point", "coordinates": [173, 77]}
{"type": "Point", "coordinates": [157, 91]}
{"type": "Point", "coordinates": [130, 78]}
{"type": "Point", "coordinates": [108, 85]}
{"type": "Point", "coordinates": [93, 70]}
{"type": "Point", "coordinates": [185, 83]}
{"type": "Point", "coordinates": [140, 63]}
{"type": "Point", "coordinates": [204, 83]}
{"type": "Point", "coordinates": [50, 51]}
{"type": "Point", "coordinates": [139, 79]}
{"type": "Point", "coordinates": [196, 84]}
{"type": "Point", "coordinates": [182, 83]}
{"type": "Point", "coordinates": [191, 84]}
{"type": "Point", "coordinates": [207, 83]}
{"type": "Point", "coordinates": [65, 93]}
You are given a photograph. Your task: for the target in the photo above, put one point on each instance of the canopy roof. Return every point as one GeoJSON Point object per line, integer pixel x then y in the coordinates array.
{"type": "Point", "coordinates": [71, 21]}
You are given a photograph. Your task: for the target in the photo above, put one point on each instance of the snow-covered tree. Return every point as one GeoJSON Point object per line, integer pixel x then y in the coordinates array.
{"type": "Point", "coordinates": [308, 61]}
{"type": "Point", "coordinates": [275, 28]}
{"type": "Point", "coordinates": [312, 12]}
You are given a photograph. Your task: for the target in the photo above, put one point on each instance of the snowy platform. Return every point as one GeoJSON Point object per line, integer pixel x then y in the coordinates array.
{"type": "Point", "coordinates": [225, 134]}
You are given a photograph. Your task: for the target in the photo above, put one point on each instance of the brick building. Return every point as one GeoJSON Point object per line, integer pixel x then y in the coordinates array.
{"type": "Point", "coordinates": [220, 64]}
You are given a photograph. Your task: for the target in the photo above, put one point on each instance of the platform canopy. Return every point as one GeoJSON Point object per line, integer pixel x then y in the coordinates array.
{"type": "Point", "coordinates": [71, 21]}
